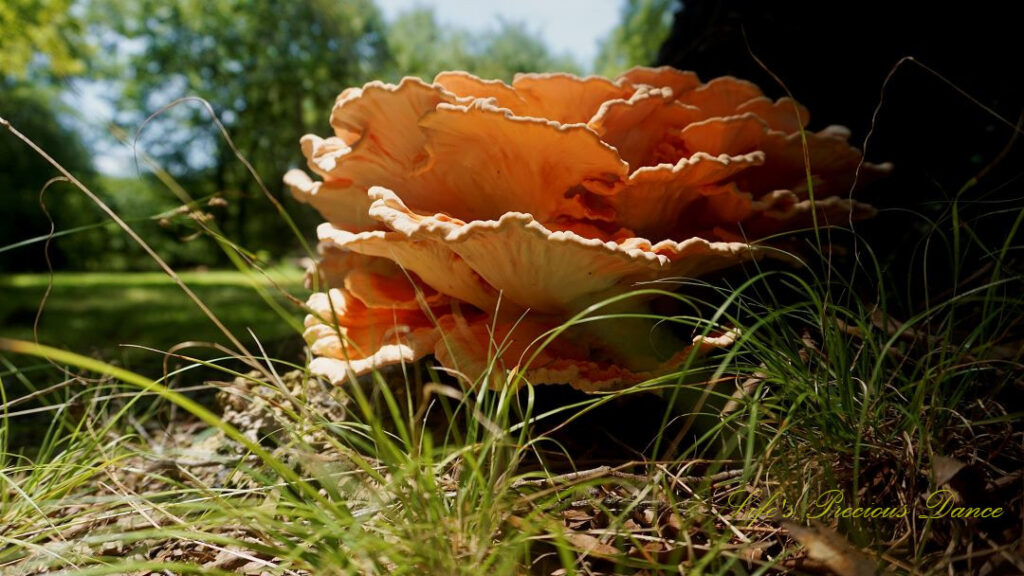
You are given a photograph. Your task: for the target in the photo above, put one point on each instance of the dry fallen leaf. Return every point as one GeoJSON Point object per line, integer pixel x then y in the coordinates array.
{"type": "Point", "coordinates": [945, 469]}
{"type": "Point", "coordinates": [591, 545]}
{"type": "Point", "coordinates": [831, 549]}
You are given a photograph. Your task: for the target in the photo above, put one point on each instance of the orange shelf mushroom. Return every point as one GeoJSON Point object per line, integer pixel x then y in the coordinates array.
{"type": "Point", "coordinates": [466, 218]}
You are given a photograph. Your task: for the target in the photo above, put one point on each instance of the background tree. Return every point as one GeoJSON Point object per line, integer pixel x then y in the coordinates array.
{"type": "Point", "coordinates": [41, 43]}
{"type": "Point", "coordinates": [40, 37]}
{"type": "Point", "coordinates": [421, 46]}
{"type": "Point", "coordinates": [643, 27]}
{"type": "Point", "coordinates": [270, 70]}
{"type": "Point", "coordinates": [515, 49]}
{"type": "Point", "coordinates": [23, 174]}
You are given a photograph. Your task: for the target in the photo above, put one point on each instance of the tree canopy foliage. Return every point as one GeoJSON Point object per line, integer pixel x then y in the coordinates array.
{"type": "Point", "coordinates": [40, 42]}
{"type": "Point", "coordinates": [421, 46]}
{"type": "Point", "coordinates": [24, 175]}
{"type": "Point", "coordinates": [269, 70]}
{"type": "Point", "coordinates": [643, 27]}
{"type": "Point", "coordinates": [40, 35]}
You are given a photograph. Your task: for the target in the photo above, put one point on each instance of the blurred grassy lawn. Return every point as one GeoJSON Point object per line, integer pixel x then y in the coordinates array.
{"type": "Point", "coordinates": [96, 313]}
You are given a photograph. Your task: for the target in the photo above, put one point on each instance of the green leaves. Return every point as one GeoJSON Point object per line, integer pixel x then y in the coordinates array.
{"type": "Point", "coordinates": [420, 46]}
{"type": "Point", "coordinates": [40, 36]}
{"type": "Point", "coordinates": [644, 25]}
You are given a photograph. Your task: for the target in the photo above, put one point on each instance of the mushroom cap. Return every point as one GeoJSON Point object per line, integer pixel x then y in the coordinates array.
{"type": "Point", "coordinates": [467, 218]}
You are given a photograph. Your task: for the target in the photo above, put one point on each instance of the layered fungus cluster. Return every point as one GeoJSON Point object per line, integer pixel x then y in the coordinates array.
{"type": "Point", "coordinates": [466, 217]}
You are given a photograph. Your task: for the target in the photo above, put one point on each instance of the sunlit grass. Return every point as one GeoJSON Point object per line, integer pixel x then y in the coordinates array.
{"type": "Point", "coordinates": [831, 391]}
{"type": "Point", "coordinates": [290, 276]}
{"type": "Point", "coordinates": [101, 312]}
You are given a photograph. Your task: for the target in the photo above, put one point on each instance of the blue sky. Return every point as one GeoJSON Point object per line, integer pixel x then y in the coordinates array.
{"type": "Point", "coordinates": [567, 26]}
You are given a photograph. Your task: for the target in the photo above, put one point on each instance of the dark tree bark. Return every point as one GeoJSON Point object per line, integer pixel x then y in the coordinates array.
{"type": "Point", "coordinates": [834, 58]}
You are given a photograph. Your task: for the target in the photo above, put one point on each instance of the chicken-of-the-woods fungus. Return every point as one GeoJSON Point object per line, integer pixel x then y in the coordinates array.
{"type": "Point", "coordinates": [468, 217]}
